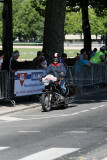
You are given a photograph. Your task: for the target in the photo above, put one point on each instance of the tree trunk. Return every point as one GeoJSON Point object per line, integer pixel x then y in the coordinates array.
{"type": "Point", "coordinates": [54, 27]}
{"type": "Point", "coordinates": [86, 26]}
{"type": "Point", "coordinates": [7, 28]}
{"type": "Point", "coordinates": [106, 39]}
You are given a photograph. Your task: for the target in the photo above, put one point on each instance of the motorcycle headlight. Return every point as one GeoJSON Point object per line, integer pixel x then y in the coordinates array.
{"type": "Point", "coordinates": [46, 82]}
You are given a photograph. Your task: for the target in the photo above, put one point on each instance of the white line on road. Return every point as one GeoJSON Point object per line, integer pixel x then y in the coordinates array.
{"type": "Point", "coordinates": [84, 111]}
{"type": "Point", "coordinates": [94, 108]}
{"type": "Point", "coordinates": [2, 148]}
{"type": "Point", "coordinates": [102, 106]}
{"type": "Point", "coordinates": [104, 159]}
{"type": "Point", "coordinates": [40, 117]}
{"type": "Point", "coordinates": [75, 113]}
{"type": "Point", "coordinates": [78, 132]}
{"type": "Point", "coordinates": [50, 154]}
{"type": "Point", "coordinates": [29, 131]}
{"type": "Point", "coordinates": [9, 119]}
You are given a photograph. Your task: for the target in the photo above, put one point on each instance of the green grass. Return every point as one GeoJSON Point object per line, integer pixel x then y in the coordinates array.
{"type": "Point", "coordinates": [30, 53]}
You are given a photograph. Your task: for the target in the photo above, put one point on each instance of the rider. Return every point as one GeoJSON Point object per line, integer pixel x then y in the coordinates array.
{"type": "Point", "coordinates": [58, 70]}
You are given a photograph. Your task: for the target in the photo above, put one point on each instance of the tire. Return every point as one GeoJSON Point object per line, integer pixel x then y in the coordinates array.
{"type": "Point", "coordinates": [65, 105]}
{"type": "Point", "coordinates": [46, 103]}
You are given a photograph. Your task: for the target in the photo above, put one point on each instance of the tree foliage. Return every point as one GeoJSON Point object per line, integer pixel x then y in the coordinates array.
{"type": "Point", "coordinates": [40, 6]}
{"type": "Point", "coordinates": [28, 18]}
{"type": "Point", "coordinates": [27, 22]}
{"type": "Point", "coordinates": [73, 23]}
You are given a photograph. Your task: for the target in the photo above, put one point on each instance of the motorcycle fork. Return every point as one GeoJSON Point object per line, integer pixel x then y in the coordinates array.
{"type": "Point", "coordinates": [50, 95]}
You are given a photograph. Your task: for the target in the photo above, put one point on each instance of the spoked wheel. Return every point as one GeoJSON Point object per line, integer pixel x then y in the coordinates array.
{"type": "Point", "coordinates": [46, 102]}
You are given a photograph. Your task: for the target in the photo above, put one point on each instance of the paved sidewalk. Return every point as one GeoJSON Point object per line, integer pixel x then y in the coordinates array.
{"type": "Point", "coordinates": [21, 104]}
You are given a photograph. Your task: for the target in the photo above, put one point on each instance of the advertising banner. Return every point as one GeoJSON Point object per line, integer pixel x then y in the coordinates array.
{"type": "Point", "coordinates": [27, 82]}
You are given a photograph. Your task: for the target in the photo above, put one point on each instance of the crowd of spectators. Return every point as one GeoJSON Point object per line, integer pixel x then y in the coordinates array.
{"type": "Point", "coordinates": [93, 58]}
{"type": "Point", "coordinates": [40, 61]}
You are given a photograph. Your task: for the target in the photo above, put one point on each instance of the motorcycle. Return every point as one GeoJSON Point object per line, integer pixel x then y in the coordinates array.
{"type": "Point", "coordinates": [52, 96]}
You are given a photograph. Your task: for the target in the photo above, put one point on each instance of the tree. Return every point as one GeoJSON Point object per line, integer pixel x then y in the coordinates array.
{"type": "Point", "coordinates": [73, 23]}
{"type": "Point", "coordinates": [86, 26]}
{"type": "Point", "coordinates": [49, 15]}
{"type": "Point", "coordinates": [27, 23]}
{"type": "Point", "coordinates": [82, 5]}
{"type": "Point", "coordinates": [98, 5]}
{"type": "Point", "coordinates": [54, 27]}
{"type": "Point", "coordinates": [1, 24]}
{"type": "Point", "coordinates": [102, 15]}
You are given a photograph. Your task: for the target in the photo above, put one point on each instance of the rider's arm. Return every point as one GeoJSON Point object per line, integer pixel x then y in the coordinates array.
{"type": "Point", "coordinates": [48, 70]}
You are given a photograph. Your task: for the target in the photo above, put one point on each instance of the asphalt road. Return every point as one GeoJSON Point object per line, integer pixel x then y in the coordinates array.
{"type": "Point", "coordinates": [76, 133]}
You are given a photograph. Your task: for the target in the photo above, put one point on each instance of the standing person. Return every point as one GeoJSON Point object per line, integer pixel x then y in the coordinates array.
{"type": "Point", "coordinates": [1, 58]}
{"type": "Point", "coordinates": [13, 65]}
{"type": "Point", "coordinates": [82, 52]}
{"type": "Point", "coordinates": [43, 62]}
{"type": "Point", "coordinates": [58, 70]}
{"type": "Point", "coordinates": [99, 56]}
{"type": "Point", "coordinates": [106, 53]}
{"type": "Point", "coordinates": [93, 52]}
{"type": "Point", "coordinates": [79, 71]}
{"type": "Point", "coordinates": [63, 59]}
{"type": "Point", "coordinates": [36, 63]}
{"type": "Point", "coordinates": [83, 61]}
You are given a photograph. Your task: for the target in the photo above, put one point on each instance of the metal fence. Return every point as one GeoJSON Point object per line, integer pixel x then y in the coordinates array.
{"type": "Point", "coordinates": [81, 76]}
{"type": "Point", "coordinates": [3, 84]}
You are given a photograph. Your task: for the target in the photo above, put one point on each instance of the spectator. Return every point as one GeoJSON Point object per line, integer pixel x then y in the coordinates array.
{"type": "Point", "coordinates": [79, 70]}
{"type": "Point", "coordinates": [93, 52]}
{"type": "Point", "coordinates": [77, 57]}
{"type": "Point", "coordinates": [99, 56]}
{"type": "Point", "coordinates": [13, 63]}
{"type": "Point", "coordinates": [46, 56]}
{"type": "Point", "coordinates": [83, 61]}
{"type": "Point", "coordinates": [82, 52]}
{"type": "Point", "coordinates": [63, 59]}
{"type": "Point", "coordinates": [106, 53]}
{"type": "Point", "coordinates": [1, 58]}
{"type": "Point", "coordinates": [36, 63]}
{"type": "Point", "coordinates": [43, 63]}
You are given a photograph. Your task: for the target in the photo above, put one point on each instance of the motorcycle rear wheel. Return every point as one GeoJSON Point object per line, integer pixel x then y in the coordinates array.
{"type": "Point", "coordinates": [46, 102]}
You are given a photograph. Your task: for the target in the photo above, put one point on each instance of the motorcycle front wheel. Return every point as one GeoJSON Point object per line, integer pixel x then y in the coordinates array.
{"type": "Point", "coordinates": [46, 102]}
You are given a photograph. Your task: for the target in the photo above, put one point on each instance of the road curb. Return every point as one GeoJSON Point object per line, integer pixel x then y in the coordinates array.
{"type": "Point", "coordinates": [17, 109]}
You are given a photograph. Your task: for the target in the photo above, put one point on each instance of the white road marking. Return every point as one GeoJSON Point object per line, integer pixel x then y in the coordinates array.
{"type": "Point", "coordinates": [29, 131]}
{"type": "Point", "coordinates": [2, 148]}
{"type": "Point", "coordinates": [50, 154]}
{"type": "Point", "coordinates": [79, 132]}
{"type": "Point", "coordinates": [104, 159]}
{"type": "Point", "coordinates": [102, 106]}
{"type": "Point", "coordinates": [84, 111]}
{"type": "Point", "coordinates": [9, 119]}
{"type": "Point", "coordinates": [74, 114]}
{"type": "Point", "coordinates": [94, 108]}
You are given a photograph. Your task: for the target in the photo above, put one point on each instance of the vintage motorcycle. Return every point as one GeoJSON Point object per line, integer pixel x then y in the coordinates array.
{"type": "Point", "coordinates": [52, 96]}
